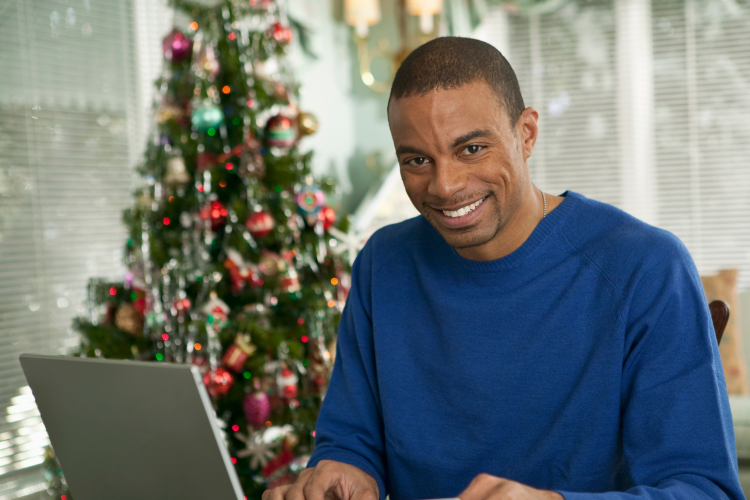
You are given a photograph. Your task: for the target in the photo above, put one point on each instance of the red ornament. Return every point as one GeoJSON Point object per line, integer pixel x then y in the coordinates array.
{"type": "Point", "coordinates": [260, 224]}
{"type": "Point", "coordinates": [327, 216]}
{"type": "Point", "coordinates": [278, 462]}
{"type": "Point", "coordinates": [206, 161]}
{"type": "Point", "coordinates": [287, 478]}
{"type": "Point", "coordinates": [281, 131]}
{"type": "Point", "coordinates": [289, 282]}
{"type": "Point", "coordinates": [241, 272]}
{"type": "Point", "coordinates": [281, 34]}
{"type": "Point", "coordinates": [236, 355]}
{"type": "Point", "coordinates": [176, 46]}
{"type": "Point", "coordinates": [257, 408]}
{"type": "Point", "coordinates": [287, 382]}
{"type": "Point", "coordinates": [216, 213]}
{"type": "Point", "coordinates": [218, 382]}
{"type": "Point", "coordinates": [140, 302]}
{"type": "Point", "coordinates": [260, 4]}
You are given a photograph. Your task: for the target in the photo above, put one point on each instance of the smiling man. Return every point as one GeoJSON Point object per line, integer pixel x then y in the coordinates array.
{"type": "Point", "coordinates": [509, 344]}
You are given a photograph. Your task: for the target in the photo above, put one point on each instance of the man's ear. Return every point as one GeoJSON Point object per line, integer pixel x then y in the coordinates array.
{"type": "Point", "coordinates": [527, 130]}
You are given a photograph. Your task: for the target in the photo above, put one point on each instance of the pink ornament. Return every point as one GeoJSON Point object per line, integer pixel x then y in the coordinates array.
{"type": "Point", "coordinates": [257, 408]}
{"type": "Point", "coordinates": [176, 46]}
{"type": "Point", "coordinates": [218, 382]}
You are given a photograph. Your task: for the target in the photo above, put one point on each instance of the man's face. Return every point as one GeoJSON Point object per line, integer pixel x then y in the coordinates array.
{"type": "Point", "coordinates": [462, 163]}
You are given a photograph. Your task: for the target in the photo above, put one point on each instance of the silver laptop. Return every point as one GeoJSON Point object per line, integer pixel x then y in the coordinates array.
{"type": "Point", "coordinates": [126, 430]}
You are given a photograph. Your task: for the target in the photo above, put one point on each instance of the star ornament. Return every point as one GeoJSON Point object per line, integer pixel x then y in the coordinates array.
{"type": "Point", "coordinates": [349, 243]}
{"type": "Point", "coordinates": [260, 452]}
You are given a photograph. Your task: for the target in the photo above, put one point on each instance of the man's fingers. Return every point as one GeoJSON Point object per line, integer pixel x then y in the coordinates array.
{"type": "Point", "coordinates": [294, 492]}
{"type": "Point", "coordinates": [364, 494]}
{"type": "Point", "coordinates": [323, 479]}
{"type": "Point", "coordinates": [482, 487]}
{"type": "Point", "coordinates": [276, 493]}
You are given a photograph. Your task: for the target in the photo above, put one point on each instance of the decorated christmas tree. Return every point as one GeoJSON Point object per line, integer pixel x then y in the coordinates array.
{"type": "Point", "coordinates": [234, 261]}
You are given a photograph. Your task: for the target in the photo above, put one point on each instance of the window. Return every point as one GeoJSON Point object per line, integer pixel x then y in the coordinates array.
{"type": "Point", "coordinates": [72, 123]}
{"type": "Point", "coordinates": [644, 105]}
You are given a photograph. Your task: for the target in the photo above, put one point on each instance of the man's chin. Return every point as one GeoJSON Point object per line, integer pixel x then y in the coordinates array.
{"type": "Point", "coordinates": [470, 237]}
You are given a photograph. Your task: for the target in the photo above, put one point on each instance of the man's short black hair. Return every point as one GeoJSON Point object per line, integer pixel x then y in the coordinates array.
{"type": "Point", "coordinates": [450, 62]}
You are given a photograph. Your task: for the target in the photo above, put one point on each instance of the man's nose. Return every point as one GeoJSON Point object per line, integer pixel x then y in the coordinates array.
{"type": "Point", "coordinates": [448, 178]}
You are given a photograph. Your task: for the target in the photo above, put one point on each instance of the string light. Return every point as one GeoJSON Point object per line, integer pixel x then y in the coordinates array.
{"type": "Point", "coordinates": [193, 26]}
{"type": "Point", "coordinates": [200, 188]}
{"type": "Point", "coordinates": [230, 166]}
{"type": "Point", "coordinates": [113, 291]}
{"type": "Point", "coordinates": [247, 375]}
{"type": "Point", "coordinates": [211, 131]}
{"type": "Point", "coordinates": [300, 321]}
{"type": "Point", "coordinates": [226, 89]}
{"type": "Point", "coordinates": [223, 184]}
{"type": "Point", "coordinates": [159, 356]}
{"type": "Point", "coordinates": [331, 303]}
{"type": "Point", "coordinates": [304, 338]}
{"type": "Point", "coordinates": [232, 36]}
{"type": "Point", "coordinates": [334, 281]}
{"type": "Point", "coordinates": [198, 347]}
{"type": "Point", "coordinates": [166, 221]}
{"type": "Point", "coordinates": [235, 427]}
{"type": "Point", "coordinates": [234, 460]}
{"type": "Point", "coordinates": [171, 198]}
{"type": "Point", "coordinates": [164, 336]}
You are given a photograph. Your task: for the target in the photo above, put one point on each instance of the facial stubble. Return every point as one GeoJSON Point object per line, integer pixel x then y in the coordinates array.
{"type": "Point", "coordinates": [479, 241]}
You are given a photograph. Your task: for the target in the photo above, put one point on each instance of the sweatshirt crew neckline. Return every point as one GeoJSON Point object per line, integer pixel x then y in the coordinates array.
{"type": "Point", "coordinates": [538, 236]}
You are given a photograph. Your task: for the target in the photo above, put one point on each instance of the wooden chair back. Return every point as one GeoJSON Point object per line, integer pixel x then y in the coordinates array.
{"type": "Point", "coordinates": [719, 316]}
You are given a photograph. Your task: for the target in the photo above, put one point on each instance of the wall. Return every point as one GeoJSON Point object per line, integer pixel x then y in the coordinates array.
{"type": "Point", "coordinates": [352, 117]}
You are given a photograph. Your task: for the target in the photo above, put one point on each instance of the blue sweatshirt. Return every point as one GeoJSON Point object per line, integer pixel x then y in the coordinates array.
{"type": "Point", "coordinates": [584, 362]}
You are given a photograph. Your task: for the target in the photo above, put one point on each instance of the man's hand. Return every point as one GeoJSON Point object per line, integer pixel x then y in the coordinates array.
{"type": "Point", "coordinates": [328, 480]}
{"type": "Point", "coordinates": [486, 487]}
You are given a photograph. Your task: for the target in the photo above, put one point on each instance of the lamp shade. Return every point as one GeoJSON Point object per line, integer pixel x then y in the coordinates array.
{"type": "Point", "coordinates": [421, 7]}
{"type": "Point", "coordinates": [425, 9]}
{"type": "Point", "coordinates": [361, 14]}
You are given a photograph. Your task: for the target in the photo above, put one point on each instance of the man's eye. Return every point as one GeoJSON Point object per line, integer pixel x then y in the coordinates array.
{"type": "Point", "coordinates": [473, 149]}
{"type": "Point", "coordinates": [418, 161]}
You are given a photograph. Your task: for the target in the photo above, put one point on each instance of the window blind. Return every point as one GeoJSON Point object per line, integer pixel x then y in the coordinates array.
{"type": "Point", "coordinates": [702, 96]}
{"type": "Point", "coordinates": [71, 128]}
{"type": "Point", "coordinates": [644, 105]}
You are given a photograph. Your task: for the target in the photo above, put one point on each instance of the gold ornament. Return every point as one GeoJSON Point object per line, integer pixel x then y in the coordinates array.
{"type": "Point", "coordinates": [129, 320]}
{"type": "Point", "coordinates": [177, 174]}
{"type": "Point", "coordinates": [307, 123]}
{"type": "Point", "coordinates": [145, 201]}
{"type": "Point", "coordinates": [168, 112]}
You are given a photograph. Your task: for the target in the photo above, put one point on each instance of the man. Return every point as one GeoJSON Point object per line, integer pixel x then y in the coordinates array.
{"type": "Point", "coordinates": [509, 344]}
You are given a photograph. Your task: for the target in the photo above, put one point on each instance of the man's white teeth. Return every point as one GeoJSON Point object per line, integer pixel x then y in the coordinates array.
{"type": "Point", "coordinates": [464, 210]}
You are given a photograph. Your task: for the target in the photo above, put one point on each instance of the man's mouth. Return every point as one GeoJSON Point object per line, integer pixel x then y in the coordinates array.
{"type": "Point", "coordinates": [462, 216]}
{"type": "Point", "coordinates": [463, 210]}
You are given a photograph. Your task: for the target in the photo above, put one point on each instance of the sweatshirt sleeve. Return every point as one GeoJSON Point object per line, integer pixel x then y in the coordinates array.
{"type": "Point", "coordinates": [349, 427]}
{"type": "Point", "coordinates": [677, 431]}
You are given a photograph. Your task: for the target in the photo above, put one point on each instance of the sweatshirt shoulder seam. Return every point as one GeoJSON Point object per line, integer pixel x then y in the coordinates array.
{"type": "Point", "coordinates": [609, 280]}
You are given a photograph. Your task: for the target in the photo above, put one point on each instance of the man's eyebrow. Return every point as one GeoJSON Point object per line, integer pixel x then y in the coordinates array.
{"type": "Point", "coordinates": [469, 136]}
{"type": "Point", "coordinates": [402, 150]}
